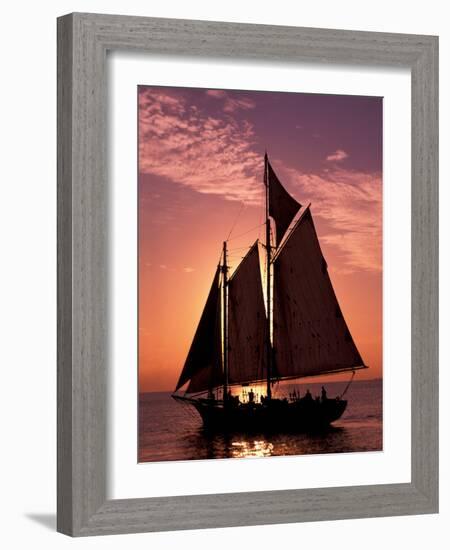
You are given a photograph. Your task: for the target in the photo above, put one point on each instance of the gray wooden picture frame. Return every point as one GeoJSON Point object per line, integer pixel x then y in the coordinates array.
{"type": "Point", "coordinates": [83, 42]}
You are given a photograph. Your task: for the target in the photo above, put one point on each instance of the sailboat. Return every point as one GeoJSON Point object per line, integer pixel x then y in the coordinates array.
{"type": "Point", "coordinates": [250, 338]}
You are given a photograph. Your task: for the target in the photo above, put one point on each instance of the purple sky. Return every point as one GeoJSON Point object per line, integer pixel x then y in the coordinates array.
{"type": "Point", "coordinates": [201, 169]}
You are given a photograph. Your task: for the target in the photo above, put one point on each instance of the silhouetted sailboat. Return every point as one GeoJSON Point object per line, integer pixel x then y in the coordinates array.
{"type": "Point", "coordinates": [245, 338]}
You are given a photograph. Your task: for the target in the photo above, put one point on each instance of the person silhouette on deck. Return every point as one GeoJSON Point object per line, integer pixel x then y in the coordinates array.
{"type": "Point", "coordinates": [308, 396]}
{"type": "Point", "coordinates": [324, 394]}
{"type": "Point", "coordinates": [251, 396]}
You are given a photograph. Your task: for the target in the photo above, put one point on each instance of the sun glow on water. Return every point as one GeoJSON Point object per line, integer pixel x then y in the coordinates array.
{"type": "Point", "coordinates": [255, 448]}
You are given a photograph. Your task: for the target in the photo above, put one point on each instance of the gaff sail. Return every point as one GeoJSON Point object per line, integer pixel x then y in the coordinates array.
{"type": "Point", "coordinates": [282, 206]}
{"type": "Point", "coordinates": [310, 335]}
{"type": "Point", "coordinates": [247, 326]}
{"type": "Point", "coordinates": [203, 365]}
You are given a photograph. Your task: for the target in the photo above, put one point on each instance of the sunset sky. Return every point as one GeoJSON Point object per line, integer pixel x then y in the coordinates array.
{"type": "Point", "coordinates": [201, 165]}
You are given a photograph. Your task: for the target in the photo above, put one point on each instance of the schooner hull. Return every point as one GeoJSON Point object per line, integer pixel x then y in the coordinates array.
{"type": "Point", "coordinates": [276, 416]}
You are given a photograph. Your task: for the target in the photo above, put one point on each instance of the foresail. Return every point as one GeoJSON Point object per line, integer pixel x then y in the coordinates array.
{"type": "Point", "coordinates": [203, 364]}
{"type": "Point", "coordinates": [309, 332]}
{"type": "Point", "coordinates": [204, 379]}
{"type": "Point", "coordinates": [247, 326]}
{"type": "Point", "coordinates": [282, 207]}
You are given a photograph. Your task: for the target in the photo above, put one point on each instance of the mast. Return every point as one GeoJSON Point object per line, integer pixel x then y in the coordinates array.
{"type": "Point", "coordinates": [224, 321]}
{"type": "Point", "coordinates": [268, 260]}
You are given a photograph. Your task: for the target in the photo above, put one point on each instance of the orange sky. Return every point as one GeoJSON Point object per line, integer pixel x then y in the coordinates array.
{"type": "Point", "coordinates": [201, 174]}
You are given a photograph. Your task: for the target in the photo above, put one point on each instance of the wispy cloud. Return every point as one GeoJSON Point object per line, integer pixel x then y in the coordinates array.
{"type": "Point", "coordinates": [216, 93]}
{"type": "Point", "coordinates": [166, 267]}
{"type": "Point", "coordinates": [337, 156]}
{"type": "Point", "coordinates": [209, 154]}
{"type": "Point", "coordinates": [350, 205]}
{"type": "Point", "coordinates": [230, 105]}
{"type": "Point", "coordinates": [216, 155]}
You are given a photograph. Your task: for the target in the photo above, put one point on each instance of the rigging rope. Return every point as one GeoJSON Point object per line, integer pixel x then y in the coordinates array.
{"type": "Point", "coordinates": [239, 248]}
{"type": "Point", "coordinates": [245, 233]}
{"type": "Point", "coordinates": [348, 385]}
{"type": "Point", "coordinates": [243, 205]}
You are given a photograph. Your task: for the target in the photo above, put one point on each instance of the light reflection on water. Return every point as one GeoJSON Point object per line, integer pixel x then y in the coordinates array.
{"type": "Point", "coordinates": [245, 449]}
{"type": "Point", "coordinates": [168, 431]}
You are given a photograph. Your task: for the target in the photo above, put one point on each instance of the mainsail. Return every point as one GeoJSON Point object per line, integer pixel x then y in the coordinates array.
{"type": "Point", "coordinates": [310, 335]}
{"type": "Point", "coordinates": [247, 327]}
{"type": "Point", "coordinates": [282, 207]}
{"type": "Point", "coordinates": [203, 367]}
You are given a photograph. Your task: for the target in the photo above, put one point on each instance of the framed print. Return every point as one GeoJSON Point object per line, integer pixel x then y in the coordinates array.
{"type": "Point", "coordinates": [256, 395]}
{"type": "Point", "coordinates": [247, 274]}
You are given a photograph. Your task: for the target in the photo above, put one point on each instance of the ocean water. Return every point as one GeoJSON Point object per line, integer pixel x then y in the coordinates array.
{"type": "Point", "coordinates": [169, 430]}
